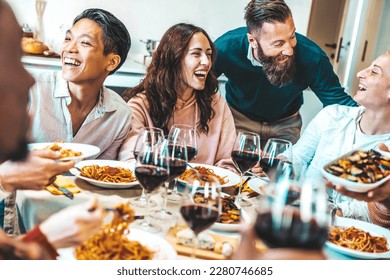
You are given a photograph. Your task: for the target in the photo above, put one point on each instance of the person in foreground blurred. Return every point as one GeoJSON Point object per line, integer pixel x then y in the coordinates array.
{"type": "Point", "coordinates": [268, 66]}
{"type": "Point", "coordinates": [338, 129]}
{"type": "Point", "coordinates": [73, 105]}
{"type": "Point", "coordinates": [66, 228]}
{"type": "Point", "coordinates": [180, 89]}
{"type": "Point", "coordinates": [246, 250]}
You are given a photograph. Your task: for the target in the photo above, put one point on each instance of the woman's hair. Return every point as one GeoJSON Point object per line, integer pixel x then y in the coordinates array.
{"type": "Point", "coordinates": [165, 76]}
{"type": "Point", "coordinates": [116, 38]}
{"type": "Point", "coordinates": [257, 12]}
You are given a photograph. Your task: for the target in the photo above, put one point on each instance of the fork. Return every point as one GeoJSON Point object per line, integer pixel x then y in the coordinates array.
{"type": "Point", "coordinates": [195, 171]}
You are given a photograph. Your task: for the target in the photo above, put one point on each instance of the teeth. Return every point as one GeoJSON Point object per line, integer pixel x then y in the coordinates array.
{"type": "Point", "coordinates": [71, 61]}
{"type": "Point", "coordinates": [201, 73]}
{"type": "Point", "coordinates": [362, 87]}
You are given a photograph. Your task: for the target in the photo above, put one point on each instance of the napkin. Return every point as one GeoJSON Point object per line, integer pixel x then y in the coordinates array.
{"type": "Point", "coordinates": [62, 181]}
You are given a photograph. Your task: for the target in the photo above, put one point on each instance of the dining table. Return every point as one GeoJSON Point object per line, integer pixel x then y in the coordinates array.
{"type": "Point", "coordinates": [36, 206]}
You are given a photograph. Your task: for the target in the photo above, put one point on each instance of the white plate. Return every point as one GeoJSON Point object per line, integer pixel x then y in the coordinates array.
{"type": "Point", "coordinates": [232, 227]}
{"type": "Point", "coordinates": [371, 228]}
{"type": "Point", "coordinates": [257, 185]}
{"type": "Point", "coordinates": [86, 150]}
{"type": "Point", "coordinates": [233, 178]}
{"type": "Point", "coordinates": [107, 185]}
{"type": "Point", "coordinates": [162, 248]}
{"type": "Point", "coordinates": [350, 185]}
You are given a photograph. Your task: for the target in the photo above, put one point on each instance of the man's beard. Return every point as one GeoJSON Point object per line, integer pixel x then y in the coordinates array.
{"type": "Point", "coordinates": [279, 74]}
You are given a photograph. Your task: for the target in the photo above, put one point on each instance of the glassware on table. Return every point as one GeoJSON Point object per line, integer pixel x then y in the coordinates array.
{"type": "Point", "coordinates": [245, 154]}
{"type": "Point", "coordinates": [275, 150]}
{"type": "Point", "coordinates": [281, 223]}
{"type": "Point", "coordinates": [151, 170]}
{"type": "Point", "coordinates": [187, 134]}
{"type": "Point", "coordinates": [201, 205]}
{"type": "Point", "coordinates": [177, 165]}
{"type": "Point", "coordinates": [146, 135]}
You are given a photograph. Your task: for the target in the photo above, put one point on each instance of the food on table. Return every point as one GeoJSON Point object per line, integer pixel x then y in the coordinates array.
{"type": "Point", "coordinates": [357, 239]}
{"type": "Point", "coordinates": [361, 167]}
{"type": "Point", "coordinates": [108, 174]}
{"type": "Point", "coordinates": [56, 147]}
{"type": "Point", "coordinates": [33, 46]}
{"type": "Point", "coordinates": [190, 174]}
{"type": "Point", "coordinates": [230, 212]}
{"type": "Point", "coordinates": [111, 242]}
{"type": "Point", "coordinates": [205, 241]}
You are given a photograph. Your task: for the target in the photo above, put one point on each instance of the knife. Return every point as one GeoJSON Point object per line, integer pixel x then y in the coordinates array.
{"type": "Point", "coordinates": [66, 192]}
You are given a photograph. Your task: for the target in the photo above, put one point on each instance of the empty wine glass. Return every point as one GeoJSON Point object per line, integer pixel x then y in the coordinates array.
{"type": "Point", "coordinates": [146, 135]}
{"type": "Point", "coordinates": [245, 155]}
{"type": "Point", "coordinates": [280, 223]}
{"type": "Point", "coordinates": [201, 205]}
{"type": "Point", "coordinates": [177, 165]}
{"type": "Point", "coordinates": [275, 150]}
{"type": "Point", "coordinates": [151, 170]}
{"type": "Point", "coordinates": [187, 134]}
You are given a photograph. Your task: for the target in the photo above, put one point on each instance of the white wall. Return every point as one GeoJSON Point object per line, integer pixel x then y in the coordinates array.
{"type": "Point", "coordinates": [148, 19]}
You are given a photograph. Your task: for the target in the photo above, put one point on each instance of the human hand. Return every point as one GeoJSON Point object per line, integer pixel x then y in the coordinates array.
{"type": "Point", "coordinates": [39, 170]}
{"type": "Point", "coordinates": [73, 225]}
{"type": "Point", "coordinates": [257, 170]}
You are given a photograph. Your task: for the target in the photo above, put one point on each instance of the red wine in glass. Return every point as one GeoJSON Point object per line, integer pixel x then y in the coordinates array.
{"type": "Point", "coordinates": [151, 177]}
{"type": "Point", "coordinates": [191, 153]}
{"type": "Point", "coordinates": [299, 234]}
{"type": "Point", "coordinates": [199, 217]}
{"type": "Point", "coordinates": [177, 167]}
{"type": "Point", "coordinates": [245, 160]}
{"type": "Point", "coordinates": [269, 164]}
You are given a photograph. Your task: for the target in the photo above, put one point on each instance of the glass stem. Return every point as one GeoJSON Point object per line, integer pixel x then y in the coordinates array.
{"type": "Point", "coordinates": [147, 209]}
{"type": "Point", "coordinates": [165, 198]}
{"type": "Point", "coordinates": [143, 196]}
{"type": "Point", "coordinates": [239, 197]}
{"type": "Point", "coordinates": [175, 190]}
{"type": "Point", "coordinates": [194, 246]}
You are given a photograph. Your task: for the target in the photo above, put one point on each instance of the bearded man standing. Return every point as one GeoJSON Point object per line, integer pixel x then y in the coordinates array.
{"type": "Point", "coordinates": [268, 65]}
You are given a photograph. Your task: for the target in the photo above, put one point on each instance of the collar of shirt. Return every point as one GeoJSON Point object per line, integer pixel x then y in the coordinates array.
{"type": "Point", "coordinates": [103, 105]}
{"type": "Point", "coordinates": [252, 58]}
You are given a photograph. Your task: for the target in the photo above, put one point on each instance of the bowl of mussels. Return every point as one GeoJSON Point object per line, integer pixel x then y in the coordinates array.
{"type": "Point", "coordinates": [359, 170]}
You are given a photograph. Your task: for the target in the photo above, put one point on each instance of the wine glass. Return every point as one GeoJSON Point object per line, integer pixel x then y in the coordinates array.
{"type": "Point", "coordinates": [187, 134]}
{"type": "Point", "coordinates": [201, 205]}
{"type": "Point", "coordinates": [177, 165]}
{"type": "Point", "coordinates": [146, 135]}
{"type": "Point", "coordinates": [280, 223]}
{"type": "Point", "coordinates": [275, 150]}
{"type": "Point", "coordinates": [245, 155]}
{"type": "Point", "coordinates": [151, 170]}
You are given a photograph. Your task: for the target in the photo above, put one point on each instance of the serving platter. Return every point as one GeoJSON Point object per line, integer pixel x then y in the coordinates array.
{"type": "Point", "coordinates": [373, 229]}
{"type": "Point", "coordinates": [348, 184]}
{"type": "Point", "coordinates": [86, 150]}
{"type": "Point", "coordinates": [108, 185]}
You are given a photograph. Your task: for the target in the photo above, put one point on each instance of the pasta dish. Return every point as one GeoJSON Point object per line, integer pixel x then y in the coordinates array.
{"type": "Point", "coordinates": [357, 239]}
{"type": "Point", "coordinates": [55, 147]}
{"type": "Point", "coordinates": [108, 174]}
{"type": "Point", "coordinates": [111, 242]}
{"type": "Point", "coordinates": [189, 174]}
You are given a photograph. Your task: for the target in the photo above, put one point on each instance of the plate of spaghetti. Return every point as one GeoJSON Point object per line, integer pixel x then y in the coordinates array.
{"type": "Point", "coordinates": [118, 241]}
{"type": "Point", "coordinates": [110, 174]}
{"type": "Point", "coordinates": [226, 177]}
{"type": "Point", "coordinates": [359, 239]}
{"type": "Point", "coordinates": [69, 151]}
